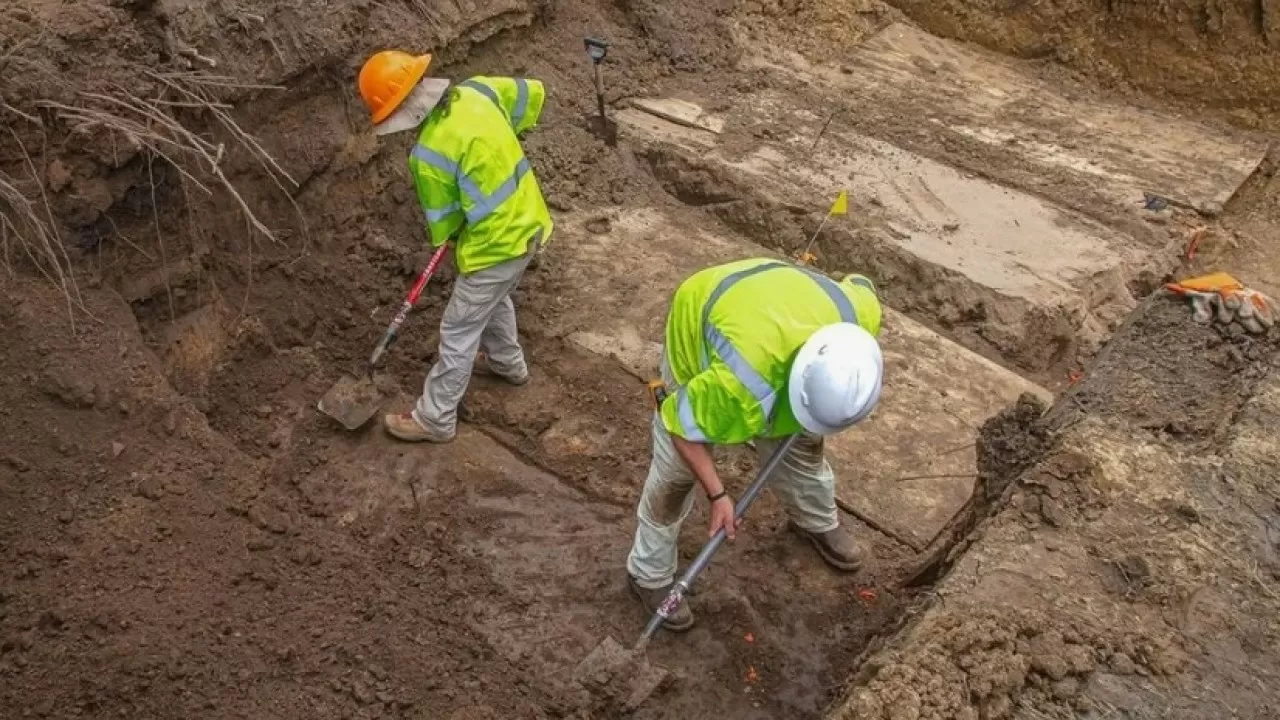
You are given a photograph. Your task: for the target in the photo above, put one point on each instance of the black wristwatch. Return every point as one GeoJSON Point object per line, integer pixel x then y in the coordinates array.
{"type": "Point", "coordinates": [718, 495]}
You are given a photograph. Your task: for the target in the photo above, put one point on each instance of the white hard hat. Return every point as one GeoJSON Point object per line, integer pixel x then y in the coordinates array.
{"type": "Point", "coordinates": [835, 379]}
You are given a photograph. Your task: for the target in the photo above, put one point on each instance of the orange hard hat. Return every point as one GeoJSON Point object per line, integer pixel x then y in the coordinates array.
{"type": "Point", "coordinates": [387, 78]}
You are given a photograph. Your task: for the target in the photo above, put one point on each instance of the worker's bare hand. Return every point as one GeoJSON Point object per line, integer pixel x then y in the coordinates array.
{"type": "Point", "coordinates": [722, 517]}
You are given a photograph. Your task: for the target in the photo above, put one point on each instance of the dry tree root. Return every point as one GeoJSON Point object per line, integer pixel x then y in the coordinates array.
{"type": "Point", "coordinates": [23, 229]}
{"type": "Point", "coordinates": [151, 124]}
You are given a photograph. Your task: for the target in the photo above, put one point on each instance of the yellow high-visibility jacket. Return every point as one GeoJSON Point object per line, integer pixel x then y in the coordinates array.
{"type": "Point", "coordinates": [732, 333]}
{"type": "Point", "coordinates": [472, 177]}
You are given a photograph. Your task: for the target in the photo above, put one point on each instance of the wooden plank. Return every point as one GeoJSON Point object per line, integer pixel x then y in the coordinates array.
{"type": "Point", "coordinates": [680, 112]}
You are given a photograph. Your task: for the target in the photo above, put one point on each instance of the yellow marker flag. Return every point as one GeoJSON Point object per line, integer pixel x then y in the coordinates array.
{"type": "Point", "coordinates": [841, 205]}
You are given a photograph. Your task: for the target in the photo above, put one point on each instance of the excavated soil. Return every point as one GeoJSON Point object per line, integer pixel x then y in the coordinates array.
{"type": "Point", "coordinates": [182, 535]}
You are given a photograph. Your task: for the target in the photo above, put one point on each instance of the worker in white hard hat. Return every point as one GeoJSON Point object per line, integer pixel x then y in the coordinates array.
{"type": "Point", "coordinates": [755, 350]}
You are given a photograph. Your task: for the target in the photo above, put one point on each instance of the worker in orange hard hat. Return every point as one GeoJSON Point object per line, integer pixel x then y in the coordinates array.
{"type": "Point", "coordinates": [476, 188]}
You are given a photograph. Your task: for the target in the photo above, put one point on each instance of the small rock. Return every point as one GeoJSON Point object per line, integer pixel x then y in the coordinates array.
{"type": "Point", "coordinates": [170, 422]}
{"type": "Point", "coordinates": [263, 411]}
{"type": "Point", "coordinates": [64, 517]}
{"type": "Point", "coordinates": [1066, 688]}
{"type": "Point", "coordinates": [57, 175]}
{"type": "Point", "coordinates": [150, 488]}
{"type": "Point", "coordinates": [268, 519]}
{"type": "Point", "coordinates": [996, 707]}
{"type": "Point", "coordinates": [116, 449]}
{"type": "Point", "coordinates": [1051, 511]}
{"type": "Point", "coordinates": [1122, 664]}
{"type": "Point", "coordinates": [361, 693]}
{"type": "Point", "coordinates": [52, 620]}
{"type": "Point", "coordinates": [1080, 659]}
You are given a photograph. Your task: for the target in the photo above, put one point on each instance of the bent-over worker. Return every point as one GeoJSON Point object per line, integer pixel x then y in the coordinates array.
{"type": "Point", "coordinates": [474, 184]}
{"type": "Point", "coordinates": [755, 350]}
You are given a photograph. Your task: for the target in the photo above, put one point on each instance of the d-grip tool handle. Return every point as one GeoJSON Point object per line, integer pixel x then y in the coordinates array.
{"type": "Point", "coordinates": [393, 330]}
{"type": "Point", "coordinates": [676, 596]}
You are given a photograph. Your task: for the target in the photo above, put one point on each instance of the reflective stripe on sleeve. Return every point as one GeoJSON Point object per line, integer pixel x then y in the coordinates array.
{"type": "Point", "coordinates": [688, 425]}
{"type": "Point", "coordinates": [436, 215]}
{"type": "Point", "coordinates": [742, 370]}
{"type": "Point", "coordinates": [522, 102]}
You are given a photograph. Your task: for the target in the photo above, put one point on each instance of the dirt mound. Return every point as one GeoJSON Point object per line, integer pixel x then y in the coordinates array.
{"type": "Point", "coordinates": [1223, 55]}
{"type": "Point", "coordinates": [153, 562]}
{"type": "Point", "coordinates": [1122, 566]}
{"type": "Point", "coordinates": [1159, 377]}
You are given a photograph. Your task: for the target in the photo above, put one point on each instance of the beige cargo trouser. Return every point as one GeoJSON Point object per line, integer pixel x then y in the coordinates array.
{"type": "Point", "coordinates": [480, 315]}
{"type": "Point", "coordinates": [803, 482]}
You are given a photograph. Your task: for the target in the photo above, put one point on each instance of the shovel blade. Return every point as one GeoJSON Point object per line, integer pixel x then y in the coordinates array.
{"type": "Point", "coordinates": [620, 675]}
{"type": "Point", "coordinates": [605, 128]}
{"type": "Point", "coordinates": [351, 401]}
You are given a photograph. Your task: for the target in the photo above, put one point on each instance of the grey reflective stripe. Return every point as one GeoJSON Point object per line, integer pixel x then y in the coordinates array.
{"type": "Point", "coordinates": [747, 375]}
{"type": "Point", "coordinates": [522, 98]}
{"type": "Point", "coordinates": [863, 282]}
{"type": "Point", "coordinates": [730, 282]}
{"type": "Point", "coordinates": [484, 203]}
{"type": "Point", "coordinates": [484, 90]}
{"type": "Point", "coordinates": [434, 215]}
{"type": "Point", "coordinates": [833, 291]}
{"type": "Point", "coordinates": [522, 102]}
{"type": "Point", "coordinates": [487, 204]}
{"type": "Point", "coordinates": [756, 384]}
{"type": "Point", "coordinates": [692, 432]}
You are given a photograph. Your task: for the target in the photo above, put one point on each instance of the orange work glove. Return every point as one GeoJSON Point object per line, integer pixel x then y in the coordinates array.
{"type": "Point", "coordinates": [1223, 299]}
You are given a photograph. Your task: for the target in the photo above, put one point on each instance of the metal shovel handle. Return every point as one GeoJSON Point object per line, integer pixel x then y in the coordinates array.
{"type": "Point", "coordinates": [676, 596]}
{"type": "Point", "coordinates": [393, 330]}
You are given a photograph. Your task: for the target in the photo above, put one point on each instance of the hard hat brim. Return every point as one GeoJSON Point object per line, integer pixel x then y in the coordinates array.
{"type": "Point", "coordinates": [418, 69]}
{"type": "Point", "coordinates": [804, 359]}
{"type": "Point", "coordinates": [415, 108]}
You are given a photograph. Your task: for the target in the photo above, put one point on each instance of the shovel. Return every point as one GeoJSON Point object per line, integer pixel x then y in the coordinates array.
{"type": "Point", "coordinates": [603, 125]}
{"type": "Point", "coordinates": [352, 401]}
{"type": "Point", "coordinates": [625, 675]}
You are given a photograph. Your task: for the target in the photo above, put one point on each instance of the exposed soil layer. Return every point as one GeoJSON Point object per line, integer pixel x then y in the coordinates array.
{"type": "Point", "coordinates": [1219, 54]}
{"type": "Point", "coordinates": [1127, 562]}
{"type": "Point", "coordinates": [184, 536]}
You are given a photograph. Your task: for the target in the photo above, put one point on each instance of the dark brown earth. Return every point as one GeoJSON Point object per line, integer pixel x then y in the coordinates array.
{"type": "Point", "coordinates": [181, 535]}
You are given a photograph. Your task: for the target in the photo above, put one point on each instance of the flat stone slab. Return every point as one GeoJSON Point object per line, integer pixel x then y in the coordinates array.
{"type": "Point", "coordinates": [942, 85]}
{"type": "Point", "coordinates": [907, 470]}
{"type": "Point", "coordinates": [681, 112]}
{"type": "Point", "coordinates": [1009, 242]}
{"type": "Point", "coordinates": [912, 465]}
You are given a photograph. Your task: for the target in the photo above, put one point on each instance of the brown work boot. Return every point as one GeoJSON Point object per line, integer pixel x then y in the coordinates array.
{"type": "Point", "coordinates": [836, 547]}
{"type": "Point", "coordinates": [681, 621]}
{"type": "Point", "coordinates": [482, 367]}
{"type": "Point", "coordinates": [404, 427]}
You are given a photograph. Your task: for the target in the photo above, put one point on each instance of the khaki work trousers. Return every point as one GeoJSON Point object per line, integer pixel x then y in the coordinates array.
{"type": "Point", "coordinates": [480, 316]}
{"type": "Point", "coordinates": [803, 482]}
